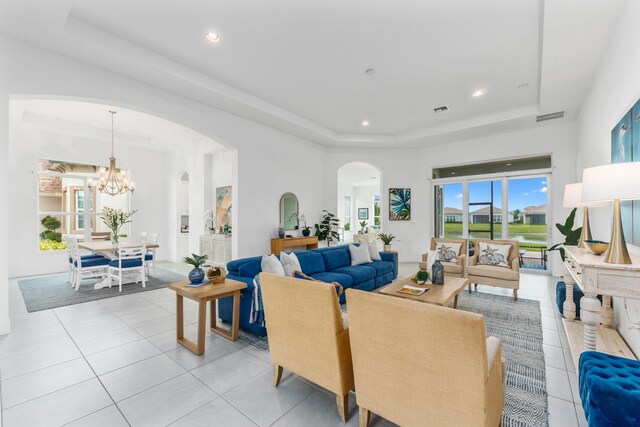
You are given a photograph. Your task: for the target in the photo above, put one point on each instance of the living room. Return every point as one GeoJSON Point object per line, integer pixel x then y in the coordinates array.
{"type": "Point", "coordinates": [261, 100]}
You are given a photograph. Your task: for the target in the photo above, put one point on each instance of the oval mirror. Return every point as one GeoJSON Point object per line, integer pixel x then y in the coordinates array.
{"type": "Point", "coordinates": [289, 211]}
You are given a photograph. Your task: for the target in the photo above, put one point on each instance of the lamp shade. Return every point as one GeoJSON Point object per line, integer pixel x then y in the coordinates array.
{"type": "Point", "coordinates": [617, 181]}
{"type": "Point", "coordinates": [573, 198]}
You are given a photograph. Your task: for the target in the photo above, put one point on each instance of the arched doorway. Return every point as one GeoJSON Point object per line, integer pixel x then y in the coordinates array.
{"type": "Point", "coordinates": [359, 202]}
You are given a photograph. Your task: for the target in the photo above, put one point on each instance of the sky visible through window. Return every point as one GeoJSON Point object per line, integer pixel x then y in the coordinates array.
{"type": "Point", "coordinates": [522, 193]}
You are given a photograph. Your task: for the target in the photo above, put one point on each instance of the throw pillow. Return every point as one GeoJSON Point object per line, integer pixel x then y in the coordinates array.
{"type": "Point", "coordinates": [302, 276]}
{"type": "Point", "coordinates": [359, 254]}
{"type": "Point", "coordinates": [373, 252]}
{"type": "Point", "coordinates": [448, 252]}
{"type": "Point", "coordinates": [290, 263]}
{"type": "Point", "coordinates": [497, 255]}
{"type": "Point", "coordinates": [271, 264]}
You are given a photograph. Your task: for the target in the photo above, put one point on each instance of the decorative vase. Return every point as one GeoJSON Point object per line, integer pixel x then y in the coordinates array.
{"type": "Point", "coordinates": [387, 248]}
{"type": "Point", "coordinates": [196, 275]}
{"type": "Point", "coordinates": [281, 231]}
{"type": "Point", "coordinates": [306, 232]}
{"type": "Point", "coordinates": [437, 273]}
{"type": "Point", "coordinates": [226, 229]}
{"type": "Point", "coordinates": [114, 237]}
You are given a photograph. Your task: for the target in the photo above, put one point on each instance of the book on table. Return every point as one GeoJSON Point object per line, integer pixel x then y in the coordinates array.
{"type": "Point", "coordinates": [198, 284]}
{"type": "Point", "coordinates": [412, 290]}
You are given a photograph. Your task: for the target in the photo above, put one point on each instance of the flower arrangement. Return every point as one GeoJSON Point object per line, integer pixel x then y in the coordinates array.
{"type": "Point", "coordinates": [115, 219]}
{"type": "Point", "coordinates": [209, 220]}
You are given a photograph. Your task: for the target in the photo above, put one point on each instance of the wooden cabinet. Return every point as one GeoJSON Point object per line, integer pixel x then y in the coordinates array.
{"type": "Point", "coordinates": [279, 245]}
{"type": "Point", "coordinates": [217, 247]}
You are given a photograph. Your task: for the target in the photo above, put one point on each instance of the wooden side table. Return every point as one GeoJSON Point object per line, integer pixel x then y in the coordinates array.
{"type": "Point", "coordinates": [202, 295]}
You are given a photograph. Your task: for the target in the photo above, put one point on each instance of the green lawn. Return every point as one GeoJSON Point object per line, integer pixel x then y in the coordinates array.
{"type": "Point", "coordinates": [531, 236]}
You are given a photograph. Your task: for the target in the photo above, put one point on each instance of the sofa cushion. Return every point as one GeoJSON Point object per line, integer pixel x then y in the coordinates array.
{"type": "Point", "coordinates": [250, 269]}
{"type": "Point", "coordinates": [336, 258]}
{"type": "Point", "coordinates": [148, 257]}
{"type": "Point", "coordinates": [359, 273]}
{"type": "Point", "coordinates": [374, 254]}
{"type": "Point", "coordinates": [236, 264]}
{"type": "Point", "coordinates": [344, 279]}
{"type": "Point", "coordinates": [381, 267]}
{"type": "Point", "coordinates": [126, 263]}
{"type": "Point", "coordinates": [492, 271]}
{"type": "Point", "coordinates": [300, 275]}
{"type": "Point", "coordinates": [311, 262]}
{"type": "Point", "coordinates": [93, 262]}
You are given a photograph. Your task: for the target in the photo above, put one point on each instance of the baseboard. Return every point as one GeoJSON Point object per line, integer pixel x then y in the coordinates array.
{"type": "Point", "coordinates": [5, 327]}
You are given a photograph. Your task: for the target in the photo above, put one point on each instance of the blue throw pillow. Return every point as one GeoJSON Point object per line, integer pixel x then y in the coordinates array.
{"type": "Point", "coordinates": [300, 275]}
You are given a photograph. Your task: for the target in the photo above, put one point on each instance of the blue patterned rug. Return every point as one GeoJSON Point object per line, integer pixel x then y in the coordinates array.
{"type": "Point", "coordinates": [519, 326]}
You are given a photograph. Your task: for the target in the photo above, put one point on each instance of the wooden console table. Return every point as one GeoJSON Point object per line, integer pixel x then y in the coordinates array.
{"type": "Point", "coordinates": [595, 277]}
{"type": "Point", "coordinates": [278, 245]}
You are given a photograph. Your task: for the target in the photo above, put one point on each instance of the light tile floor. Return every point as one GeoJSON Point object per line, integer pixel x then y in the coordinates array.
{"type": "Point", "coordinates": [115, 362]}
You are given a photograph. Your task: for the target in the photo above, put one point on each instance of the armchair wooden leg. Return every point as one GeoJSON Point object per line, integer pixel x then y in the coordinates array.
{"type": "Point", "coordinates": [277, 374]}
{"type": "Point", "coordinates": [515, 295]}
{"type": "Point", "coordinates": [365, 416]}
{"type": "Point", "coordinates": [342, 402]}
{"type": "Point", "coordinates": [475, 287]}
{"type": "Point", "coordinates": [469, 287]}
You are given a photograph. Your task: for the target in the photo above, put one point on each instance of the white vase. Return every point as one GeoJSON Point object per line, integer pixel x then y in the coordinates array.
{"type": "Point", "coordinates": [387, 248]}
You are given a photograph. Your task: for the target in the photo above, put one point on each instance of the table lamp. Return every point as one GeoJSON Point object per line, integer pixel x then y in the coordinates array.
{"type": "Point", "coordinates": [617, 181]}
{"type": "Point", "coordinates": [573, 199]}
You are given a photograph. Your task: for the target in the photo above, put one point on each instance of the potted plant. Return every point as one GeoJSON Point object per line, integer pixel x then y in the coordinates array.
{"type": "Point", "coordinates": [571, 237]}
{"type": "Point", "coordinates": [386, 239]}
{"type": "Point", "coordinates": [197, 274]}
{"type": "Point", "coordinates": [363, 227]}
{"type": "Point", "coordinates": [326, 230]}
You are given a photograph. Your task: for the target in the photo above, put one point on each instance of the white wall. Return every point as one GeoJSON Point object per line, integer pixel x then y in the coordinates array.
{"type": "Point", "coordinates": [363, 198]}
{"type": "Point", "coordinates": [615, 88]}
{"type": "Point", "coordinates": [26, 146]}
{"type": "Point", "coordinates": [5, 323]}
{"type": "Point", "coordinates": [412, 168]}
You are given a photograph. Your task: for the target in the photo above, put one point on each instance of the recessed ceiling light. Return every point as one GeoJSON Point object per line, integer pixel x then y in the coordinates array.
{"type": "Point", "coordinates": [365, 123]}
{"type": "Point", "coordinates": [478, 93]}
{"type": "Point", "coordinates": [213, 37]}
{"type": "Point", "coordinates": [508, 164]}
{"type": "Point", "coordinates": [453, 173]}
{"type": "Point", "coordinates": [370, 71]}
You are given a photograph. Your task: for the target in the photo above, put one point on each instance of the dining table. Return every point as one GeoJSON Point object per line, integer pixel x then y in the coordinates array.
{"type": "Point", "coordinates": [109, 250]}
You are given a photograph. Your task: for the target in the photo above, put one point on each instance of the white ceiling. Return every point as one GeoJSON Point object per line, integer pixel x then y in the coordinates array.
{"type": "Point", "coordinates": [93, 122]}
{"type": "Point", "coordinates": [299, 66]}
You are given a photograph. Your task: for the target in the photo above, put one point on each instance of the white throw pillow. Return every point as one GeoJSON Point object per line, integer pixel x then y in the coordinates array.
{"type": "Point", "coordinates": [497, 255]}
{"type": "Point", "coordinates": [271, 264]}
{"type": "Point", "coordinates": [373, 252]}
{"type": "Point", "coordinates": [432, 256]}
{"type": "Point", "coordinates": [290, 263]}
{"type": "Point", "coordinates": [448, 252]}
{"type": "Point", "coordinates": [359, 254]}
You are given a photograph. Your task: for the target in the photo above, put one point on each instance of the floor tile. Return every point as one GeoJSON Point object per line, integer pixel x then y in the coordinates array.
{"type": "Point", "coordinates": [550, 337]}
{"type": "Point", "coordinates": [103, 341]}
{"type": "Point", "coordinates": [37, 383]}
{"type": "Point", "coordinates": [318, 410]}
{"type": "Point", "coordinates": [263, 403]}
{"type": "Point", "coordinates": [258, 352]}
{"type": "Point", "coordinates": [143, 315]}
{"type": "Point", "coordinates": [554, 356]}
{"type": "Point", "coordinates": [24, 363]}
{"type": "Point", "coordinates": [215, 348]}
{"type": "Point", "coordinates": [568, 360]}
{"type": "Point", "coordinates": [60, 407]}
{"type": "Point", "coordinates": [13, 348]}
{"type": "Point", "coordinates": [217, 413]}
{"type": "Point", "coordinates": [575, 391]}
{"type": "Point", "coordinates": [167, 340]}
{"type": "Point", "coordinates": [166, 402]}
{"type": "Point", "coordinates": [558, 384]}
{"type": "Point", "coordinates": [549, 323]}
{"type": "Point", "coordinates": [561, 413]}
{"type": "Point", "coordinates": [582, 421]}
{"type": "Point", "coordinates": [132, 379]}
{"type": "Point", "coordinates": [123, 355]}
{"type": "Point", "coordinates": [229, 371]}
{"type": "Point", "coordinates": [156, 326]}
{"type": "Point", "coordinates": [107, 417]}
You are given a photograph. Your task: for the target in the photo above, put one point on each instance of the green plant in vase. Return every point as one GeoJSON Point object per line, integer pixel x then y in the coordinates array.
{"type": "Point", "coordinates": [571, 237]}
{"type": "Point", "coordinates": [114, 219]}
{"type": "Point", "coordinates": [386, 240]}
{"type": "Point", "coordinates": [197, 274]}
{"type": "Point", "coordinates": [363, 227]}
{"type": "Point", "coordinates": [326, 229]}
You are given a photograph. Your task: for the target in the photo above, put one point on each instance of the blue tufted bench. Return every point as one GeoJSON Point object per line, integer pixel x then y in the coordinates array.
{"type": "Point", "coordinates": [561, 294]}
{"type": "Point", "coordinates": [609, 389]}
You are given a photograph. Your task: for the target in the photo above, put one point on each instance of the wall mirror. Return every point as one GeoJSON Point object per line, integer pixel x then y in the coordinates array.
{"type": "Point", "coordinates": [289, 211]}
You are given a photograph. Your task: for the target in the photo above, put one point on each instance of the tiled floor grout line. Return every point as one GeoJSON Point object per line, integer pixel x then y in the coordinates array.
{"type": "Point", "coordinates": [92, 370]}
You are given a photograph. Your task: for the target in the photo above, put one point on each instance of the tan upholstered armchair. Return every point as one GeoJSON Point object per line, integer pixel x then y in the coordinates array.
{"type": "Point", "coordinates": [307, 334]}
{"type": "Point", "coordinates": [503, 277]}
{"type": "Point", "coordinates": [418, 364]}
{"type": "Point", "coordinates": [457, 269]}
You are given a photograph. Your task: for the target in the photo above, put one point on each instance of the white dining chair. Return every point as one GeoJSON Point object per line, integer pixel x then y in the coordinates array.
{"type": "Point", "coordinates": [85, 267]}
{"type": "Point", "coordinates": [150, 256]}
{"type": "Point", "coordinates": [130, 260]}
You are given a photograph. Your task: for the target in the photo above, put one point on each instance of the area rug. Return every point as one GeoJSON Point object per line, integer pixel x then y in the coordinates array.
{"type": "Point", "coordinates": [42, 293]}
{"type": "Point", "coordinates": [519, 326]}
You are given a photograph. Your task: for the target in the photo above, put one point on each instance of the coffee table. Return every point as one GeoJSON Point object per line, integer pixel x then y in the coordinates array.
{"type": "Point", "coordinates": [202, 295]}
{"type": "Point", "coordinates": [437, 294]}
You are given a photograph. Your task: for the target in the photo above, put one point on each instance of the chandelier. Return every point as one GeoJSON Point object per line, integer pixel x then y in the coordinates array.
{"type": "Point", "coordinates": [112, 181]}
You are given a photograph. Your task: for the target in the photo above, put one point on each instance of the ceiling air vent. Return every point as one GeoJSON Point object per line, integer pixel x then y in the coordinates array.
{"type": "Point", "coordinates": [441, 109]}
{"type": "Point", "coordinates": [550, 116]}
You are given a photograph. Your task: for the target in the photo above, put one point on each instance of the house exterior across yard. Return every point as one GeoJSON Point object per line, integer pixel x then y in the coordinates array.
{"type": "Point", "coordinates": [535, 215]}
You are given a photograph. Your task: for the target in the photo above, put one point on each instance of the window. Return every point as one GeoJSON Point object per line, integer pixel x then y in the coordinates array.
{"type": "Point", "coordinates": [66, 205]}
{"type": "Point", "coordinates": [347, 213]}
{"type": "Point", "coordinates": [376, 211]}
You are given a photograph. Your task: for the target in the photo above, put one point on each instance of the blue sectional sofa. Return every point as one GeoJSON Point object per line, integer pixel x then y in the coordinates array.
{"type": "Point", "coordinates": [332, 264]}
